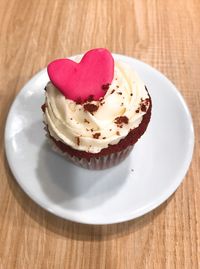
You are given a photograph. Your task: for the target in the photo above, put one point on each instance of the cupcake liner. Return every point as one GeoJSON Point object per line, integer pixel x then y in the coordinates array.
{"type": "Point", "coordinates": [98, 163]}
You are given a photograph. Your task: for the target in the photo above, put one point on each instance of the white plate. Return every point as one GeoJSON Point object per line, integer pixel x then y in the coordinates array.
{"type": "Point", "coordinates": [152, 172]}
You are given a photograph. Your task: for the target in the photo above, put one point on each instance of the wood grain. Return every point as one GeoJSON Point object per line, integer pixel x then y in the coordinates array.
{"type": "Point", "coordinates": [164, 34]}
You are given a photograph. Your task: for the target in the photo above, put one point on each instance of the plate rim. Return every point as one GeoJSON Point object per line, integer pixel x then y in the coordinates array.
{"type": "Point", "coordinates": [137, 213]}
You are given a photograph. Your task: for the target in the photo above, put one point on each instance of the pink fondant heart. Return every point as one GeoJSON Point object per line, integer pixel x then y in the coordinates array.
{"type": "Point", "coordinates": [80, 81]}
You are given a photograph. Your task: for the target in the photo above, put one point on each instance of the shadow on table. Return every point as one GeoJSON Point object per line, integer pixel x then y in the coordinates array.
{"type": "Point", "coordinates": [72, 230]}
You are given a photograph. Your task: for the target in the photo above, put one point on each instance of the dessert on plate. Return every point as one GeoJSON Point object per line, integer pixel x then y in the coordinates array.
{"type": "Point", "coordinates": [96, 108]}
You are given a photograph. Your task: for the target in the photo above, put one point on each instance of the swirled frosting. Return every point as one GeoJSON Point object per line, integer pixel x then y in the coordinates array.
{"type": "Point", "coordinates": [92, 126]}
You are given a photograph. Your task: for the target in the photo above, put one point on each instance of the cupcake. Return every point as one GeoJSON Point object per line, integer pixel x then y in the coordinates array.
{"type": "Point", "coordinates": [95, 110]}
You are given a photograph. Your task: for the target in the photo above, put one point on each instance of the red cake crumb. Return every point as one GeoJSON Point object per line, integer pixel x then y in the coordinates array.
{"type": "Point", "coordinates": [43, 107]}
{"type": "Point", "coordinates": [96, 135]}
{"type": "Point", "coordinates": [90, 98]}
{"type": "Point", "coordinates": [86, 121]}
{"type": "Point", "coordinates": [105, 87]}
{"type": "Point", "coordinates": [121, 119]}
{"type": "Point", "coordinates": [78, 141]}
{"type": "Point", "coordinates": [143, 108]}
{"type": "Point", "coordinates": [102, 103]}
{"type": "Point", "coordinates": [79, 101]}
{"type": "Point", "coordinates": [90, 107]}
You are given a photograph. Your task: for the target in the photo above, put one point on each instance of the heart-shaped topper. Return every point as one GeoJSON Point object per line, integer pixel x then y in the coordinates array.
{"type": "Point", "coordinates": [80, 81]}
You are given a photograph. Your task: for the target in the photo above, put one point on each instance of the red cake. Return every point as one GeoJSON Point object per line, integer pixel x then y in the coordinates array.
{"type": "Point", "coordinates": [95, 110]}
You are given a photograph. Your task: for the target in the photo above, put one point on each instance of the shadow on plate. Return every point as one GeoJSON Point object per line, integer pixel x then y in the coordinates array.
{"type": "Point", "coordinates": [77, 188]}
{"type": "Point", "coordinates": [72, 230]}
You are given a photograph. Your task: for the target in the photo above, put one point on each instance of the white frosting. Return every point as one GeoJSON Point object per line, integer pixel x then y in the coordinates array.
{"type": "Point", "coordinates": [73, 125]}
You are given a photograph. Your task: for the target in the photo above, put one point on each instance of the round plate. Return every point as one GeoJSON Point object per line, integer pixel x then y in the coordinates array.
{"type": "Point", "coordinates": [153, 171]}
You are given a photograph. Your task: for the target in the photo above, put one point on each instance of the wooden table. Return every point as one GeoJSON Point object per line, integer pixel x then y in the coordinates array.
{"type": "Point", "coordinates": [165, 34]}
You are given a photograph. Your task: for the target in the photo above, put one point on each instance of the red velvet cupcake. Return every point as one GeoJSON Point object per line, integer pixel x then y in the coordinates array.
{"type": "Point", "coordinates": [95, 110]}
